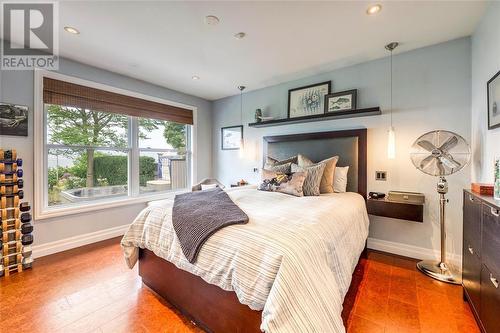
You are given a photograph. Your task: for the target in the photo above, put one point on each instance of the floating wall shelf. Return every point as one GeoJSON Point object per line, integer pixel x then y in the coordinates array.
{"type": "Point", "coordinates": [319, 117]}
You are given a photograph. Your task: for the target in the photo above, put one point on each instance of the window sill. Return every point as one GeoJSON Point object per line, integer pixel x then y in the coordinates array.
{"type": "Point", "coordinates": [49, 213]}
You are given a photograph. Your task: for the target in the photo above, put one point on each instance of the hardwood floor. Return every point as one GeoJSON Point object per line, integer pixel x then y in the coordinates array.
{"type": "Point", "coordinates": [90, 289]}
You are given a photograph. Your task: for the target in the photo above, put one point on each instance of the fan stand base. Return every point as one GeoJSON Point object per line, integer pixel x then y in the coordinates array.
{"type": "Point", "coordinates": [439, 271]}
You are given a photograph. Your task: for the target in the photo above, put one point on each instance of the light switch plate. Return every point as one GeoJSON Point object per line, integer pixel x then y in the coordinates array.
{"type": "Point", "coordinates": [381, 175]}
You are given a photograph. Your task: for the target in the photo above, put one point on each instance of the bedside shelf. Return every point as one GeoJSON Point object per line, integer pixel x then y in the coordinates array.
{"type": "Point", "coordinates": [395, 210]}
{"type": "Point", "coordinates": [319, 117]}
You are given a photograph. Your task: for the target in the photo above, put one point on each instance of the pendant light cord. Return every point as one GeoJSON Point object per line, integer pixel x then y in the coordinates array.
{"type": "Point", "coordinates": [391, 88]}
{"type": "Point", "coordinates": [241, 106]}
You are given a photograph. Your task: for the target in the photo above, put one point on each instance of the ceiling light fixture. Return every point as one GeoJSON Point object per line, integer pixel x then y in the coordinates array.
{"type": "Point", "coordinates": [211, 20]}
{"type": "Point", "coordinates": [374, 9]}
{"type": "Point", "coordinates": [72, 30]}
{"type": "Point", "coordinates": [240, 35]}
{"type": "Point", "coordinates": [195, 77]}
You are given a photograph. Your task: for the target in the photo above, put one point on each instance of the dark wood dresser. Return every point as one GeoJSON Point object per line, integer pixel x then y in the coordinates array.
{"type": "Point", "coordinates": [481, 259]}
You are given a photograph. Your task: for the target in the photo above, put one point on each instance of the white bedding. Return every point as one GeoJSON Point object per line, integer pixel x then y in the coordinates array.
{"type": "Point", "coordinates": [294, 259]}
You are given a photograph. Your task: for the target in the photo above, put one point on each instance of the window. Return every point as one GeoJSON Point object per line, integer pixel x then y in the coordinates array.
{"type": "Point", "coordinates": [98, 151]}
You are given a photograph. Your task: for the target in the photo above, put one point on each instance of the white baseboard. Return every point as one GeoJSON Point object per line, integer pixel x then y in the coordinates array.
{"type": "Point", "coordinates": [411, 251]}
{"type": "Point", "coordinates": [77, 241]}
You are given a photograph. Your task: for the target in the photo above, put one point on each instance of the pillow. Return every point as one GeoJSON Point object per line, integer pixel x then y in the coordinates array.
{"type": "Point", "coordinates": [279, 182]}
{"type": "Point", "coordinates": [340, 179]}
{"type": "Point", "coordinates": [313, 177]}
{"type": "Point", "coordinates": [208, 186]}
{"type": "Point", "coordinates": [280, 168]}
{"type": "Point", "coordinates": [270, 162]}
{"type": "Point", "coordinates": [326, 185]}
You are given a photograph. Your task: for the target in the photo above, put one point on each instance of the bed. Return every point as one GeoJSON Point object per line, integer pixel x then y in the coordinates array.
{"type": "Point", "coordinates": [287, 270]}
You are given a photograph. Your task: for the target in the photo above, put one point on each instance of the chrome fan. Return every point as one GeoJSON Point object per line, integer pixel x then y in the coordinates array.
{"type": "Point", "coordinates": [440, 153]}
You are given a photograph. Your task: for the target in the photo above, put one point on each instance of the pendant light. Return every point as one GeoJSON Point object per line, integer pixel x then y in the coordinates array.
{"type": "Point", "coordinates": [242, 146]}
{"type": "Point", "coordinates": [391, 139]}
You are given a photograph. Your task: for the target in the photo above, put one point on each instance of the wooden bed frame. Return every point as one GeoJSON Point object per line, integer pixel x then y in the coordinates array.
{"type": "Point", "coordinates": [217, 310]}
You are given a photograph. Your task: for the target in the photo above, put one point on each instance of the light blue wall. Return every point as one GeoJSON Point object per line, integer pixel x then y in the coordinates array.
{"type": "Point", "coordinates": [485, 63]}
{"type": "Point", "coordinates": [17, 87]}
{"type": "Point", "coordinates": [431, 91]}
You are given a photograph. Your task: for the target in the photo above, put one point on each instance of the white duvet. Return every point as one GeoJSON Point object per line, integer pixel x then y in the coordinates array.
{"type": "Point", "coordinates": [294, 259]}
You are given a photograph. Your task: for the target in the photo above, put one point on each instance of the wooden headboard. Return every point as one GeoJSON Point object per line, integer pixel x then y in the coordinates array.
{"type": "Point", "coordinates": [349, 145]}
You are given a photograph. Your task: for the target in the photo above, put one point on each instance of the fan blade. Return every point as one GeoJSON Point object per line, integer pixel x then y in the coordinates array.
{"type": "Point", "coordinates": [449, 161]}
{"type": "Point", "coordinates": [426, 145]}
{"type": "Point", "coordinates": [450, 143]}
{"type": "Point", "coordinates": [426, 161]}
{"type": "Point", "coordinates": [440, 166]}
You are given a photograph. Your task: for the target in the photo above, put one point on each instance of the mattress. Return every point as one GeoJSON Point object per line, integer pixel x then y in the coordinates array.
{"type": "Point", "coordinates": [293, 260]}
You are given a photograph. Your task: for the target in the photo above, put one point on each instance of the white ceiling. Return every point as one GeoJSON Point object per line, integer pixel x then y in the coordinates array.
{"type": "Point", "coordinates": [166, 43]}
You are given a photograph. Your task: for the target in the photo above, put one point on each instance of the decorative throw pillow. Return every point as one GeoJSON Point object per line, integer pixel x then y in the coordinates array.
{"type": "Point", "coordinates": [340, 179]}
{"type": "Point", "coordinates": [208, 186]}
{"type": "Point", "coordinates": [313, 178]}
{"type": "Point", "coordinates": [279, 182]}
{"type": "Point", "coordinates": [270, 162]}
{"type": "Point", "coordinates": [281, 168]}
{"type": "Point", "coordinates": [326, 185]}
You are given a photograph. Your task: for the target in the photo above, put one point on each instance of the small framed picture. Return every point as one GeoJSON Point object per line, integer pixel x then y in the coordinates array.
{"type": "Point", "coordinates": [494, 102]}
{"type": "Point", "coordinates": [341, 101]}
{"type": "Point", "coordinates": [13, 119]}
{"type": "Point", "coordinates": [231, 137]}
{"type": "Point", "coordinates": [308, 100]}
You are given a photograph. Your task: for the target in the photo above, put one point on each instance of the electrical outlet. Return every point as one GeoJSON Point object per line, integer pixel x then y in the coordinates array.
{"type": "Point", "coordinates": [255, 170]}
{"type": "Point", "coordinates": [381, 175]}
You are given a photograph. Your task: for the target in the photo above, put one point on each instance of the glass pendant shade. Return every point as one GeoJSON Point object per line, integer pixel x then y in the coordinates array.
{"type": "Point", "coordinates": [391, 144]}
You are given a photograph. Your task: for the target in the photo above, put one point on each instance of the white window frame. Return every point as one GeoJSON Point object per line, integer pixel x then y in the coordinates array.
{"type": "Point", "coordinates": [41, 208]}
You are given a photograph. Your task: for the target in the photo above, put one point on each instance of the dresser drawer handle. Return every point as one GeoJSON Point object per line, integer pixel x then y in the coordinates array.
{"type": "Point", "coordinates": [495, 212]}
{"type": "Point", "coordinates": [471, 250]}
{"type": "Point", "coordinates": [471, 198]}
{"type": "Point", "coordinates": [494, 280]}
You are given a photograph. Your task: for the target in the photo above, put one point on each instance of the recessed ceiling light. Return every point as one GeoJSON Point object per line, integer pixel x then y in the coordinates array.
{"type": "Point", "coordinates": [240, 35]}
{"type": "Point", "coordinates": [72, 30]}
{"type": "Point", "coordinates": [211, 20]}
{"type": "Point", "coordinates": [195, 77]}
{"type": "Point", "coordinates": [374, 9]}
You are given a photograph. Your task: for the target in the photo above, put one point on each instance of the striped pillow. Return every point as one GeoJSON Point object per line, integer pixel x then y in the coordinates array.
{"type": "Point", "coordinates": [313, 178]}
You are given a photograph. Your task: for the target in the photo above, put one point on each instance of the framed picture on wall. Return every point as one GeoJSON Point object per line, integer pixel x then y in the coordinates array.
{"type": "Point", "coordinates": [231, 137]}
{"type": "Point", "coordinates": [494, 102]}
{"type": "Point", "coordinates": [13, 119]}
{"type": "Point", "coordinates": [341, 101]}
{"type": "Point", "coordinates": [308, 100]}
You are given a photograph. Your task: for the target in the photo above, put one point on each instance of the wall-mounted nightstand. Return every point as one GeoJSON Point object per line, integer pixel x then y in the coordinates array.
{"type": "Point", "coordinates": [395, 210]}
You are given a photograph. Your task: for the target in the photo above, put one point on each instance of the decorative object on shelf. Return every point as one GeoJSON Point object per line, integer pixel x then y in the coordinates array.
{"type": "Point", "coordinates": [341, 101]}
{"type": "Point", "coordinates": [483, 189]}
{"type": "Point", "coordinates": [13, 119]}
{"type": "Point", "coordinates": [308, 100]}
{"type": "Point", "coordinates": [15, 226]}
{"type": "Point", "coordinates": [494, 102]}
{"type": "Point", "coordinates": [241, 182]}
{"type": "Point", "coordinates": [409, 197]}
{"type": "Point", "coordinates": [440, 153]}
{"type": "Point", "coordinates": [231, 137]}
{"type": "Point", "coordinates": [376, 195]}
{"type": "Point", "coordinates": [496, 191]}
{"type": "Point", "coordinates": [258, 115]}
{"type": "Point", "coordinates": [391, 139]}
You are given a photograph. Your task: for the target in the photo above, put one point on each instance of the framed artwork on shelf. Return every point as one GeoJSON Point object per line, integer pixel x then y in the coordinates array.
{"type": "Point", "coordinates": [308, 100]}
{"type": "Point", "coordinates": [13, 119]}
{"type": "Point", "coordinates": [231, 137]}
{"type": "Point", "coordinates": [341, 101]}
{"type": "Point", "coordinates": [494, 102]}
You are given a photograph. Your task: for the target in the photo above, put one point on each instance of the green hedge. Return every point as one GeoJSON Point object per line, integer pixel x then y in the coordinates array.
{"type": "Point", "coordinates": [115, 169]}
